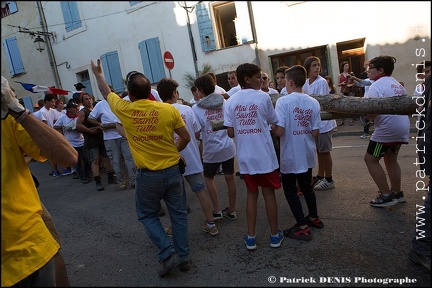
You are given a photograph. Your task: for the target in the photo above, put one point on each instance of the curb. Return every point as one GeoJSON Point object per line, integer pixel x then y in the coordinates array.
{"type": "Point", "coordinates": [360, 132]}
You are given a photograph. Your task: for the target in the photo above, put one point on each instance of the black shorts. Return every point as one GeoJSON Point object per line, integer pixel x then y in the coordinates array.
{"type": "Point", "coordinates": [378, 150]}
{"type": "Point", "coordinates": [210, 169]}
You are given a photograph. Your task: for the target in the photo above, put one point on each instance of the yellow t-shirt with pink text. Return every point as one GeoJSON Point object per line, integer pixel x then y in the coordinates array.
{"type": "Point", "coordinates": [149, 127]}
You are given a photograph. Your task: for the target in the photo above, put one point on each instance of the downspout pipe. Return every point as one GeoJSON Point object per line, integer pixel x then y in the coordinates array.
{"type": "Point", "coordinates": [254, 35]}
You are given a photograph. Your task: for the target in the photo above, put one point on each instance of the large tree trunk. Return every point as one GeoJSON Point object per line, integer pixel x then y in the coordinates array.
{"type": "Point", "coordinates": [336, 106]}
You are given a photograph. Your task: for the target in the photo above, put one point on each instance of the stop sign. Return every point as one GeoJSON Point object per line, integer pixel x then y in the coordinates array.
{"type": "Point", "coordinates": [168, 60]}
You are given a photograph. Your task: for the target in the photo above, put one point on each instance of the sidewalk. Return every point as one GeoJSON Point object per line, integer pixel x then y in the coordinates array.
{"type": "Point", "coordinates": [357, 128]}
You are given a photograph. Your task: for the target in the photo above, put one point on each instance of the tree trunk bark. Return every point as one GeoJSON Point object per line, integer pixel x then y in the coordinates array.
{"type": "Point", "coordinates": [336, 106]}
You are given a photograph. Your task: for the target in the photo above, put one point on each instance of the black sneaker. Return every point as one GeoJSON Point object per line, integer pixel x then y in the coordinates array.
{"type": "Point", "coordinates": [297, 233]}
{"type": "Point", "coordinates": [172, 262]}
{"type": "Point", "coordinates": [384, 201]}
{"type": "Point", "coordinates": [111, 178]}
{"type": "Point", "coordinates": [75, 175]}
{"type": "Point", "coordinates": [226, 214]}
{"type": "Point", "coordinates": [399, 197]}
{"type": "Point", "coordinates": [422, 260]}
{"type": "Point", "coordinates": [317, 223]}
{"type": "Point", "coordinates": [99, 186]}
{"type": "Point", "coordinates": [217, 216]}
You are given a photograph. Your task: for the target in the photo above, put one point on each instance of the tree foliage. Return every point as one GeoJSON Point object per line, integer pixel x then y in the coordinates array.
{"type": "Point", "coordinates": [189, 78]}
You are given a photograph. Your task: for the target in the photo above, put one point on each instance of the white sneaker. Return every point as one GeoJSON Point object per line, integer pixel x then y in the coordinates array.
{"type": "Point", "coordinates": [364, 136]}
{"type": "Point", "coordinates": [324, 185]}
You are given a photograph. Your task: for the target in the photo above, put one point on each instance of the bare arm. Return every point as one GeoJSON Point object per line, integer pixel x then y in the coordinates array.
{"type": "Point", "coordinates": [230, 131]}
{"type": "Point", "coordinates": [80, 127]}
{"type": "Point", "coordinates": [102, 85]}
{"type": "Point", "coordinates": [52, 145]}
{"type": "Point", "coordinates": [121, 130]}
{"type": "Point", "coordinates": [93, 122]}
{"type": "Point", "coordinates": [197, 135]}
{"type": "Point", "coordinates": [278, 130]}
{"type": "Point", "coordinates": [184, 138]}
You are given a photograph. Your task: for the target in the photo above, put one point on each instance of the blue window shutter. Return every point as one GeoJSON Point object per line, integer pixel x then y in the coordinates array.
{"type": "Point", "coordinates": [70, 15]}
{"type": "Point", "coordinates": [13, 56]}
{"type": "Point", "coordinates": [28, 103]}
{"type": "Point", "coordinates": [112, 71]}
{"type": "Point", "coordinates": [205, 28]}
{"type": "Point", "coordinates": [155, 57]}
{"type": "Point", "coordinates": [145, 60]}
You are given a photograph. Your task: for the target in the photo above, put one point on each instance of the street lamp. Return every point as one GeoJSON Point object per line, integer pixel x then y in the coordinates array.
{"type": "Point", "coordinates": [39, 43]}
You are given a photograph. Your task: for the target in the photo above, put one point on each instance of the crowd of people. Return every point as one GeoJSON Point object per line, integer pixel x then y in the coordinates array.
{"type": "Point", "coordinates": [150, 142]}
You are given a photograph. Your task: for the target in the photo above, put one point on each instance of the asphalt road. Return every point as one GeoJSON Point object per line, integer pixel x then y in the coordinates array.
{"type": "Point", "coordinates": [103, 243]}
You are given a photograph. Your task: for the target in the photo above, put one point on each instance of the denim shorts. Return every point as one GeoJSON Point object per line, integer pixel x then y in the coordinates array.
{"type": "Point", "coordinates": [196, 182]}
{"type": "Point", "coordinates": [96, 153]}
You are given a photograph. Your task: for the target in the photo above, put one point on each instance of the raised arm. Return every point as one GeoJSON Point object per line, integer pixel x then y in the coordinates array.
{"type": "Point", "coordinates": [102, 85]}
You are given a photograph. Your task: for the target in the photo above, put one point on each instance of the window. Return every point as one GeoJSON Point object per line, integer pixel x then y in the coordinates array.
{"type": "Point", "coordinates": [151, 58]}
{"type": "Point", "coordinates": [70, 15]}
{"type": "Point", "coordinates": [230, 26]}
{"type": "Point", "coordinates": [13, 56]}
{"type": "Point", "coordinates": [85, 80]}
{"type": "Point", "coordinates": [112, 71]}
{"type": "Point", "coordinates": [9, 8]}
{"type": "Point", "coordinates": [353, 52]}
{"type": "Point", "coordinates": [298, 58]}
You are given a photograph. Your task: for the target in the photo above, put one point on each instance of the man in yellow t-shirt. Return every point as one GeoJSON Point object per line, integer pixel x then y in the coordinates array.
{"type": "Point", "coordinates": [27, 246]}
{"type": "Point", "coordinates": [149, 127]}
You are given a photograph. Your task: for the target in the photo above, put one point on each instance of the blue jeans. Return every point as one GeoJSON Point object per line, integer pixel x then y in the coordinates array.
{"type": "Point", "coordinates": [151, 187]}
{"type": "Point", "coordinates": [289, 183]}
{"type": "Point", "coordinates": [115, 148]}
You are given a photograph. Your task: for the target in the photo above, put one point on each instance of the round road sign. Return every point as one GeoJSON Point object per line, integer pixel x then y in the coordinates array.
{"type": "Point", "coordinates": [168, 60]}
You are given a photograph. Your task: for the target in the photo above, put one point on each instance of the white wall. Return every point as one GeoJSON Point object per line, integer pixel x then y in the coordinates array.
{"type": "Point", "coordinates": [281, 27]}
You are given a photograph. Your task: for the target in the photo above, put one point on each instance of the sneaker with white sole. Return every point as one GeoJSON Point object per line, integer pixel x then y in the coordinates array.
{"type": "Point", "coordinates": [364, 136]}
{"type": "Point", "coordinates": [212, 231]}
{"type": "Point", "coordinates": [276, 241]}
{"type": "Point", "coordinates": [250, 242]}
{"type": "Point", "coordinates": [399, 197]}
{"type": "Point", "coordinates": [384, 201]}
{"type": "Point", "coordinates": [324, 185]}
{"type": "Point", "coordinates": [66, 172]}
{"type": "Point", "coordinates": [231, 216]}
{"type": "Point", "coordinates": [56, 174]}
